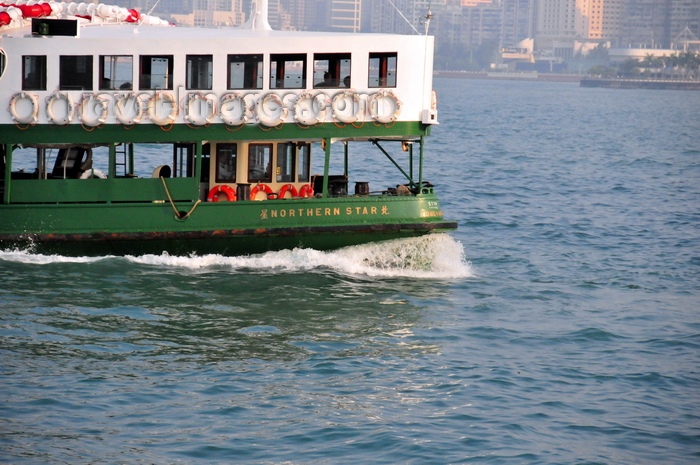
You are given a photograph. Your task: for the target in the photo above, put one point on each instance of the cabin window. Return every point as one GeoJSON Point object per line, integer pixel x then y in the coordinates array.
{"type": "Point", "coordinates": [382, 69]}
{"type": "Point", "coordinates": [304, 162]}
{"type": "Point", "coordinates": [34, 72]}
{"type": "Point", "coordinates": [3, 60]}
{"type": "Point", "coordinates": [293, 158]}
{"type": "Point", "coordinates": [75, 72]}
{"type": "Point", "coordinates": [226, 156]}
{"type": "Point", "coordinates": [184, 160]}
{"type": "Point", "coordinates": [259, 158]}
{"type": "Point", "coordinates": [245, 72]}
{"type": "Point", "coordinates": [286, 153]}
{"type": "Point", "coordinates": [205, 163]}
{"type": "Point", "coordinates": [116, 72]}
{"type": "Point", "coordinates": [156, 72]}
{"type": "Point", "coordinates": [332, 70]}
{"type": "Point", "coordinates": [287, 71]}
{"type": "Point", "coordinates": [199, 72]}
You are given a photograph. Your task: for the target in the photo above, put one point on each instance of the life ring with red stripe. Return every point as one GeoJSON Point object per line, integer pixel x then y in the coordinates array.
{"type": "Point", "coordinates": [306, 191]}
{"type": "Point", "coordinates": [288, 188]}
{"type": "Point", "coordinates": [221, 189]}
{"type": "Point", "coordinates": [258, 188]}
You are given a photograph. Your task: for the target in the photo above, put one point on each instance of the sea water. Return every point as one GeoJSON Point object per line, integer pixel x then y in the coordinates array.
{"type": "Point", "coordinates": [559, 325]}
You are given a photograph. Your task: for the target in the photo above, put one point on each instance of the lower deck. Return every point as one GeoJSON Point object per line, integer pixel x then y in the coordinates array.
{"type": "Point", "coordinates": [229, 197]}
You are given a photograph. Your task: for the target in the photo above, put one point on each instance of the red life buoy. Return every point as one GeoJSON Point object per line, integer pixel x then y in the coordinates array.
{"type": "Point", "coordinates": [288, 188]}
{"type": "Point", "coordinates": [306, 191]}
{"type": "Point", "coordinates": [133, 17]}
{"type": "Point", "coordinates": [32, 11]}
{"type": "Point", "coordinates": [5, 18]}
{"type": "Point", "coordinates": [221, 189]}
{"type": "Point", "coordinates": [260, 187]}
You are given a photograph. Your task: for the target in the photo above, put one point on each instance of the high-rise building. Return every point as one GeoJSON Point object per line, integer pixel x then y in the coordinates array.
{"type": "Point", "coordinates": [644, 24]}
{"type": "Point", "coordinates": [461, 30]}
{"type": "Point", "coordinates": [298, 15]}
{"type": "Point", "coordinates": [396, 17]}
{"type": "Point", "coordinates": [209, 13]}
{"type": "Point", "coordinates": [613, 14]}
{"type": "Point", "coordinates": [517, 21]}
{"type": "Point", "coordinates": [685, 14]}
{"type": "Point", "coordinates": [623, 23]}
{"type": "Point", "coordinates": [589, 19]}
{"type": "Point", "coordinates": [345, 15]}
{"type": "Point", "coordinates": [556, 21]}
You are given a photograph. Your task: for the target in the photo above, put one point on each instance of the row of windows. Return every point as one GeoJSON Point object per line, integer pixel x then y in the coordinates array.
{"type": "Point", "coordinates": [287, 71]}
{"type": "Point", "coordinates": [293, 163]}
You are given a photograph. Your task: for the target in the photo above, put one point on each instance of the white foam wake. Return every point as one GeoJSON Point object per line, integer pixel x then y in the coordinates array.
{"type": "Point", "coordinates": [436, 256]}
{"type": "Point", "coordinates": [25, 256]}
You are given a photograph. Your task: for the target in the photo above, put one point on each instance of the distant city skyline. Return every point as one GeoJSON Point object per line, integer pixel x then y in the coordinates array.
{"type": "Point", "coordinates": [555, 28]}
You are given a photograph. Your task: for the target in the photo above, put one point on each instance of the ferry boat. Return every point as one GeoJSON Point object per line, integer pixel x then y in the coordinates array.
{"type": "Point", "coordinates": [86, 89]}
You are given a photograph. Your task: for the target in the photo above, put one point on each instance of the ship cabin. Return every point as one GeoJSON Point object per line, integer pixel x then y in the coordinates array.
{"type": "Point", "coordinates": [239, 111]}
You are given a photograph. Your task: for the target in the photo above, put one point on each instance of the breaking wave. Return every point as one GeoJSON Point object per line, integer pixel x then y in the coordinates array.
{"type": "Point", "coordinates": [435, 256]}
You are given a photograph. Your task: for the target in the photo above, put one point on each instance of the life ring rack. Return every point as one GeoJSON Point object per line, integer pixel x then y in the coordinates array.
{"type": "Point", "coordinates": [121, 104]}
{"type": "Point", "coordinates": [259, 187]}
{"type": "Point", "coordinates": [157, 100]}
{"type": "Point", "coordinates": [316, 110]}
{"type": "Point", "coordinates": [52, 101]}
{"type": "Point", "coordinates": [221, 189]}
{"type": "Point", "coordinates": [227, 103]}
{"type": "Point", "coordinates": [374, 111]}
{"type": "Point", "coordinates": [272, 118]}
{"type": "Point", "coordinates": [33, 116]}
{"type": "Point", "coordinates": [341, 114]}
{"type": "Point", "coordinates": [192, 106]}
{"type": "Point", "coordinates": [98, 105]}
{"type": "Point", "coordinates": [288, 188]}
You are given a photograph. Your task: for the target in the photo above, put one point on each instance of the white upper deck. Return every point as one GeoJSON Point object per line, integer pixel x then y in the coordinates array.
{"type": "Point", "coordinates": [101, 58]}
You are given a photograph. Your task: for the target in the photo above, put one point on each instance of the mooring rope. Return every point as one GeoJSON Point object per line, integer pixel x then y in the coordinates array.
{"type": "Point", "coordinates": [172, 203]}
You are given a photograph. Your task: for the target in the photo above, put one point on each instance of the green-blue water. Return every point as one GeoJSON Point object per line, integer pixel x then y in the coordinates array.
{"type": "Point", "coordinates": [559, 325]}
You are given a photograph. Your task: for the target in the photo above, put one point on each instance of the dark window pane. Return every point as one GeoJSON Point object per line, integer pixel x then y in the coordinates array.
{"type": "Point", "coordinates": [34, 72]}
{"type": "Point", "coordinates": [75, 72]}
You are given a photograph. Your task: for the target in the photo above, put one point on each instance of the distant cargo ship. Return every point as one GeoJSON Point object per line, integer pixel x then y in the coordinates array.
{"type": "Point", "coordinates": [665, 84]}
{"type": "Point", "coordinates": [510, 76]}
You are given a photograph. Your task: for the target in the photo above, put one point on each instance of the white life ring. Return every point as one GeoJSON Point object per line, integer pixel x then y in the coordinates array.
{"type": "Point", "coordinates": [93, 173]}
{"type": "Point", "coordinates": [155, 104]}
{"type": "Point", "coordinates": [56, 116]}
{"type": "Point", "coordinates": [94, 109]}
{"type": "Point", "coordinates": [310, 109]}
{"type": "Point", "coordinates": [233, 109]}
{"type": "Point", "coordinates": [199, 108]}
{"type": "Point", "coordinates": [378, 109]}
{"type": "Point", "coordinates": [271, 111]}
{"type": "Point", "coordinates": [344, 100]}
{"type": "Point", "coordinates": [16, 108]}
{"type": "Point", "coordinates": [124, 103]}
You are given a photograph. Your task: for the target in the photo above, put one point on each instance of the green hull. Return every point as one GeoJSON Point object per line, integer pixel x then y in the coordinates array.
{"type": "Point", "coordinates": [124, 215]}
{"type": "Point", "coordinates": [228, 228]}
